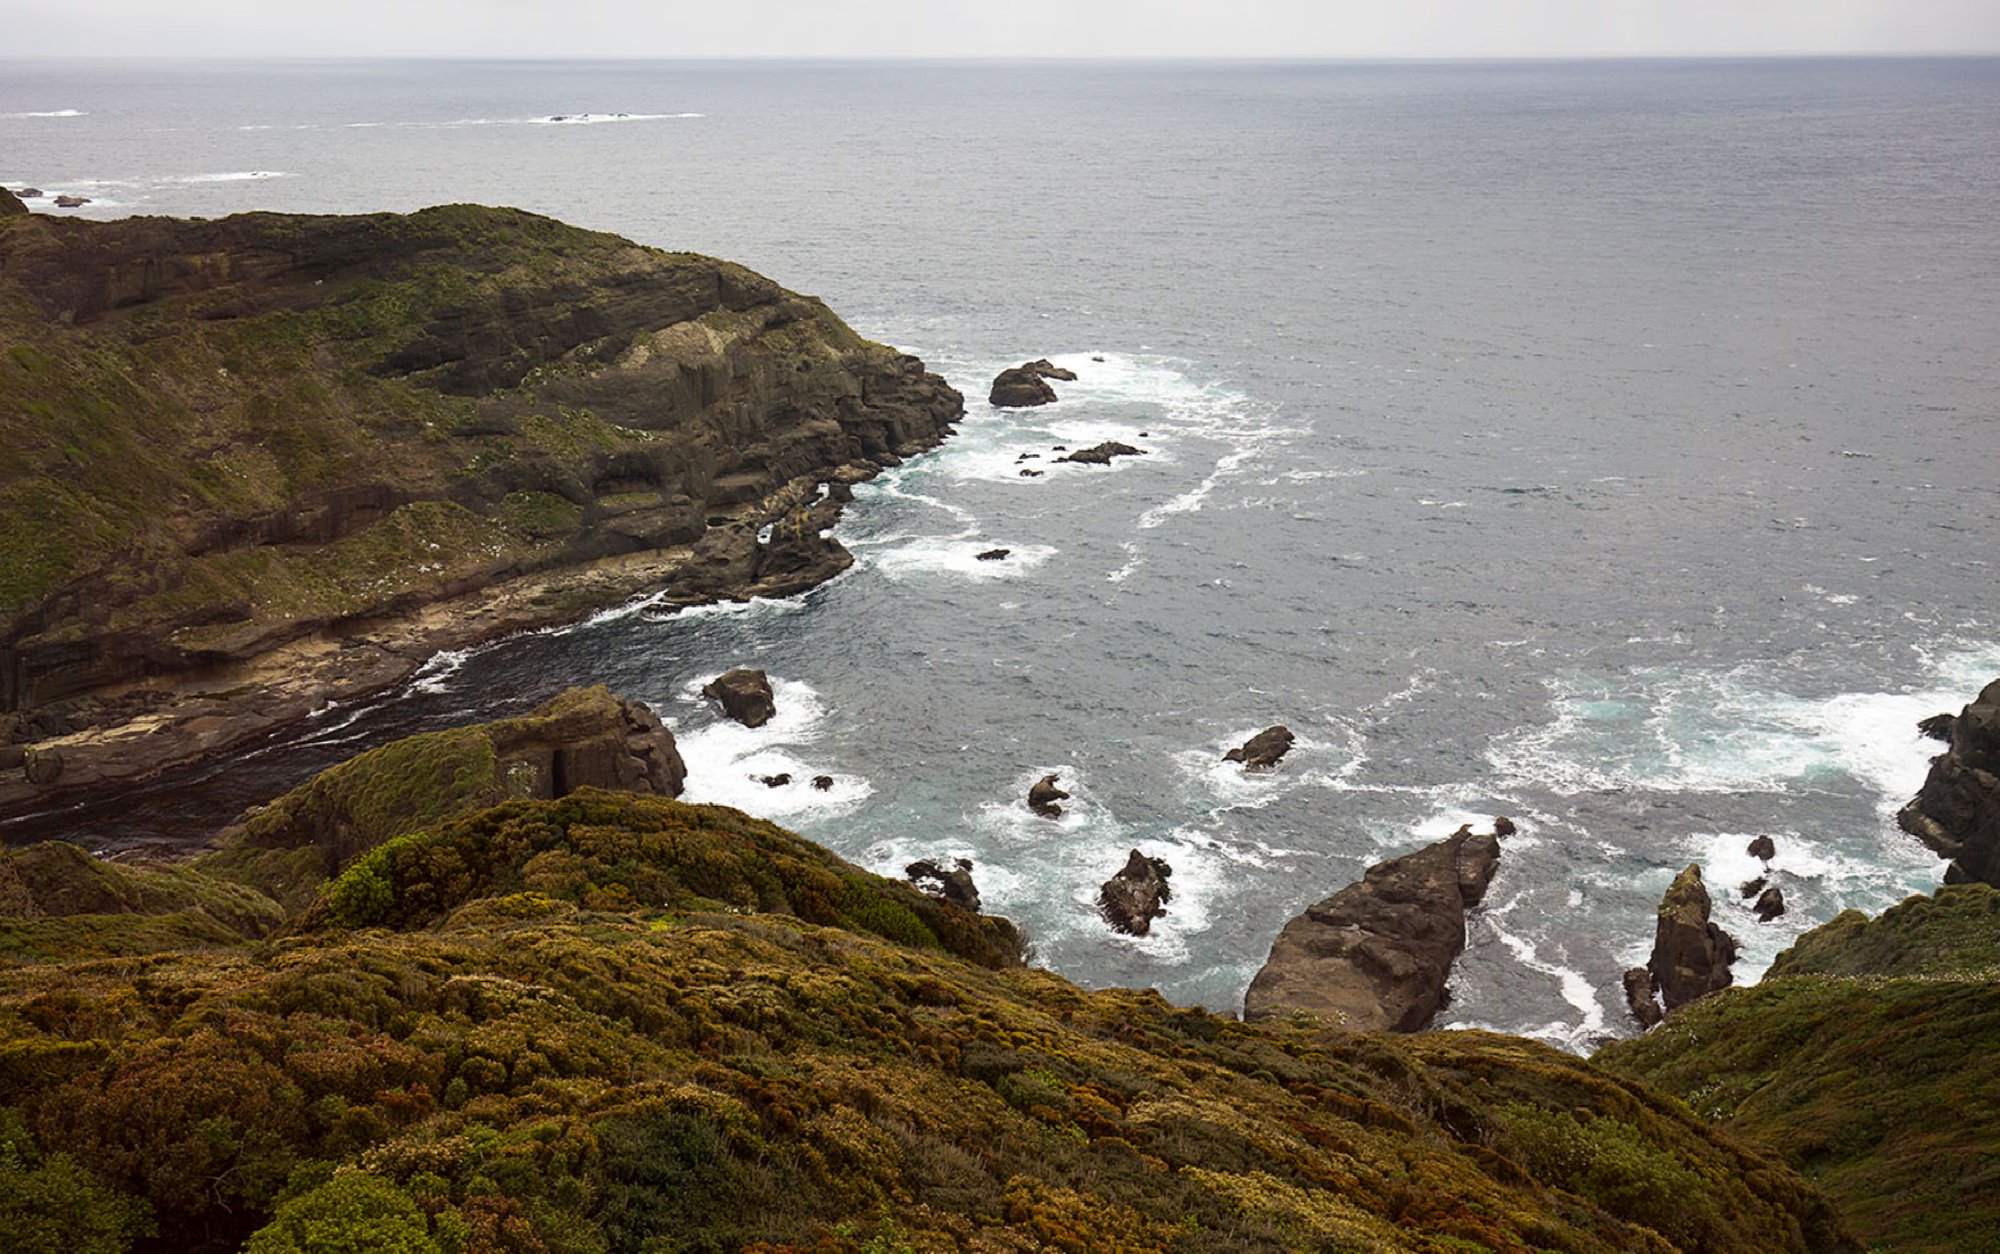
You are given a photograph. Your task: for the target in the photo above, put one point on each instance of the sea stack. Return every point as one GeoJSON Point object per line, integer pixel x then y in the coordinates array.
{"type": "Point", "coordinates": [1262, 751]}
{"type": "Point", "coordinates": [1691, 955]}
{"type": "Point", "coordinates": [1957, 813]}
{"type": "Point", "coordinates": [745, 695]}
{"type": "Point", "coordinates": [1044, 797]}
{"type": "Point", "coordinates": [1374, 956]}
{"type": "Point", "coordinates": [1024, 386]}
{"type": "Point", "coordinates": [1138, 894]}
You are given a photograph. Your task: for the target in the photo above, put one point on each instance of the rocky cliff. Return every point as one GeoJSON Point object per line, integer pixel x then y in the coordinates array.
{"type": "Point", "coordinates": [247, 465]}
{"type": "Point", "coordinates": [1958, 811]}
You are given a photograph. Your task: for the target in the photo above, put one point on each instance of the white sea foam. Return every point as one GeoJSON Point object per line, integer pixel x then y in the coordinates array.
{"type": "Point", "coordinates": [47, 113]}
{"type": "Point", "coordinates": [1725, 732]}
{"type": "Point", "coordinates": [1573, 985]}
{"type": "Point", "coordinates": [724, 758]}
{"type": "Point", "coordinates": [958, 557]}
{"type": "Point", "coordinates": [231, 176]}
{"type": "Point", "coordinates": [436, 673]}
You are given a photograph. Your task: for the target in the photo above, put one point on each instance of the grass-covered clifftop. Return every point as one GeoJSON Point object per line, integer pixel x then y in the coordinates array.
{"type": "Point", "coordinates": [616, 1022]}
{"type": "Point", "coordinates": [1870, 1057]}
{"type": "Point", "coordinates": [219, 438]}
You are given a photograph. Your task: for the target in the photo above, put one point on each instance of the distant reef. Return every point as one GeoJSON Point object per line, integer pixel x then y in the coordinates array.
{"type": "Point", "coordinates": [253, 464]}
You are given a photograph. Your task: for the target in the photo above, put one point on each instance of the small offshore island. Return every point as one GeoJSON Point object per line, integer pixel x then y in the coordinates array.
{"type": "Point", "coordinates": [495, 989]}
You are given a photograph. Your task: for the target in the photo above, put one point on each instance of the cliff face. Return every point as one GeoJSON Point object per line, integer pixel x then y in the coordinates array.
{"type": "Point", "coordinates": [249, 464]}
{"type": "Point", "coordinates": [1958, 811]}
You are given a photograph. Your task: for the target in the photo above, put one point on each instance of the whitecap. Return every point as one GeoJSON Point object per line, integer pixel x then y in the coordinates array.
{"type": "Point", "coordinates": [727, 763]}
{"type": "Point", "coordinates": [957, 557]}
{"type": "Point", "coordinates": [47, 113]}
{"type": "Point", "coordinates": [232, 176]}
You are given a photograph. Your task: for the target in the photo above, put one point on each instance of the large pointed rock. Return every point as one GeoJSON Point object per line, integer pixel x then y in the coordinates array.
{"type": "Point", "coordinates": [1691, 955]}
{"type": "Point", "coordinates": [1374, 956]}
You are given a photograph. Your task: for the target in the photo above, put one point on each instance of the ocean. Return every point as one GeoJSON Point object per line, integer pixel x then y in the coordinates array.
{"type": "Point", "coordinates": [1606, 445]}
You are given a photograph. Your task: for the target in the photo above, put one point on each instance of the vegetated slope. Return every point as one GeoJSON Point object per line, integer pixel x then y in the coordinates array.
{"type": "Point", "coordinates": [1870, 1057]}
{"type": "Point", "coordinates": [221, 438]}
{"type": "Point", "coordinates": [617, 1022]}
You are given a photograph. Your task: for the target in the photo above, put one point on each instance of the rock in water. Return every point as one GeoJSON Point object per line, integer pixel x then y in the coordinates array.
{"type": "Point", "coordinates": [1022, 386]}
{"type": "Point", "coordinates": [780, 780]}
{"type": "Point", "coordinates": [1763, 847]}
{"type": "Point", "coordinates": [1957, 813]}
{"type": "Point", "coordinates": [1101, 454]}
{"type": "Point", "coordinates": [10, 204]}
{"type": "Point", "coordinates": [1770, 904]}
{"type": "Point", "coordinates": [1937, 727]}
{"type": "Point", "coordinates": [1642, 997]}
{"type": "Point", "coordinates": [1374, 956]}
{"type": "Point", "coordinates": [954, 886]}
{"type": "Point", "coordinates": [1262, 751]}
{"type": "Point", "coordinates": [1691, 955]}
{"type": "Point", "coordinates": [745, 696]}
{"type": "Point", "coordinates": [994, 555]}
{"type": "Point", "coordinates": [1138, 894]}
{"type": "Point", "coordinates": [72, 202]}
{"type": "Point", "coordinates": [823, 783]}
{"type": "Point", "coordinates": [1750, 888]}
{"type": "Point", "coordinates": [1042, 798]}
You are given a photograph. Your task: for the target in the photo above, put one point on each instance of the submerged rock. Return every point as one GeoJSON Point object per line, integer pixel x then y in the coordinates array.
{"type": "Point", "coordinates": [954, 886]}
{"type": "Point", "coordinates": [1691, 955]}
{"type": "Point", "coordinates": [823, 783]}
{"type": "Point", "coordinates": [1043, 797]}
{"type": "Point", "coordinates": [1957, 813]}
{"type": "Point", "coordinates": [1374, 957]}
{"type": "Point", "coordinates": [780, 780]}
{"type": "Point", "coordinates": [1262, 751]}
{"type": "Point", "coordinates": [1101, 454]}
{"type": "Point", "coordinates": [745, 696]}
{"type": "Point", "coordinates": [994, 555]}
{"type": "Point", "coordinates": [1138, 894]}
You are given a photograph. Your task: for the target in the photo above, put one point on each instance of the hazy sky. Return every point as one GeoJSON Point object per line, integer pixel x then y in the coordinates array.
{"type": "Point", "coordinates": [1016, 28]}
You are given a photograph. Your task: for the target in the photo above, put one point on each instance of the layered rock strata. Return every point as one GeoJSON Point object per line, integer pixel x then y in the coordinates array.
{"type": "Point", "coordinates": [1374, 957]}
{"type": "Point", "coordinates": [261, 463]}
{"type": "Point", "coordinates": [1957, 813]}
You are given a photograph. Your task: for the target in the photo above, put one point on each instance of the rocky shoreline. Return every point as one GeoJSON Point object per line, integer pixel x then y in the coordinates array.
{"type": "Point", "coordinates": [503, 424]}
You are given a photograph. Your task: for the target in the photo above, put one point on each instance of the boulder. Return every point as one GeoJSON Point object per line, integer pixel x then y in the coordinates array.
{"type": "Point", "coordinates": [1262, 751]}
{"type": "Point", "coordinates": [1138, 894]}
{"type": "Point", "coordinates": [1957, 812]}
{"type": "Point", "coordinates": [1042, 798]}
{"type": "Point", "coordinates": [745, 696]}
{"type": "Point", "coordinates": [1691, 955]}
{"type": "Point", "coordinates": [994, 555]}
{"type": "Point", "coordinates": [10, 204]}
{"type": "Point", "coordinates": [1022, 386]}
{"type": "Point", "coordinates": [1374, 957]}
{"type": "Point", "coordinates": [1642, 998]}
{"type": "Point", "coordinates": [823, 783]}
{"type": "Point", "coordinates": [954, 886]}
{"type": "Point", "coordinates": [1101, 454]}
{"type": "Point", "coordinates": [1763, 847]}
{"type": "Point", "coordinates": [1770, 904]}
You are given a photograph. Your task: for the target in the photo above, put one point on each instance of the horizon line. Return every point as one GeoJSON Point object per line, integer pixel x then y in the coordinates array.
{"type": "Point", "coordinates": [1026, 59]}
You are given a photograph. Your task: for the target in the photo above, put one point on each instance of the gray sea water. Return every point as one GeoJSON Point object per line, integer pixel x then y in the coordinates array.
{"type": "Point", "coordinates": [1611, 446]}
